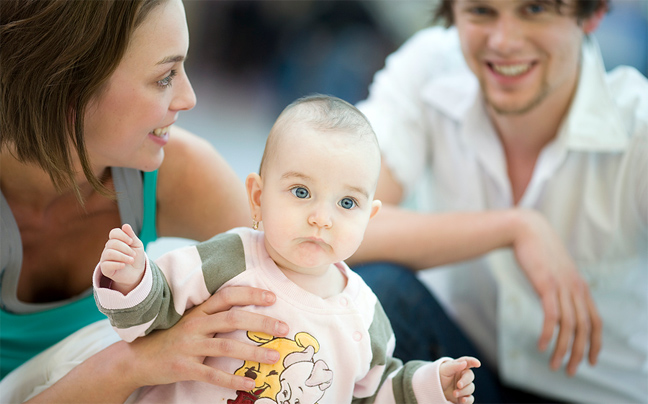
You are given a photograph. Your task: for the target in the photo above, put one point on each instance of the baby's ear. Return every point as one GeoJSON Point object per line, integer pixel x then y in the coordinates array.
{"type": "Point", "coordinates": [375, 207]}
{"type": "Point", "coordinates": [254, 187]}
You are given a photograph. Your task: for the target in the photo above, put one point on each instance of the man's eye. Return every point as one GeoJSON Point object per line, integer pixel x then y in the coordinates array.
{"type": "Point", "coordinates": [535, 8]}
{"type": "Point", "coordinates": [347, 203]}
{"type": "Point", "coordinates": [300, 192]}
{"type": "Point", "coordinates": [480, 11]}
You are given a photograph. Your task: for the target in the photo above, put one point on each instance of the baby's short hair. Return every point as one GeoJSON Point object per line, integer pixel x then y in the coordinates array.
{"type": "Point", "coordinates": [323, 113]}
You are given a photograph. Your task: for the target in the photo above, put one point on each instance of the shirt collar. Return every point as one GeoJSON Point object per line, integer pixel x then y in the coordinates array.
{"type": "Point", "coordinates": [593, 123]}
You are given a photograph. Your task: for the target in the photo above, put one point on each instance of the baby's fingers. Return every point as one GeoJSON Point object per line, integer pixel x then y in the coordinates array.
{"type": "Point", "coordinates": [451, 368]}
{"type": "Point", "coordinates": [117, 250]}
{"type": "Point", "coordinates": [110, 268]}
{"type": "Point", "coordinates": [471, 361]}
{"type": "Point", "coordinates": [112, 255]}
{"type": "Point", "coordinates": [135, 241]}
{"type": "Point", "coordinates": [467, 397]}
{"type": "Point", "coordinates": [119, 234]}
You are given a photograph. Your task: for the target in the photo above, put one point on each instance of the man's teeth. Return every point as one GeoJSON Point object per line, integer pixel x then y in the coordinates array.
{"type": "Point", "coordinates": [160, 131]}
{"type": "Point", "coordinates": [512, 70]}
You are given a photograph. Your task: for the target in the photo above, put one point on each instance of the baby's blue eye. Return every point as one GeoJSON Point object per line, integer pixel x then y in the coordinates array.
{"type": "Point", "coordinates": [300, 192]}
{"type": "Point", "coordinates": [347, 203]}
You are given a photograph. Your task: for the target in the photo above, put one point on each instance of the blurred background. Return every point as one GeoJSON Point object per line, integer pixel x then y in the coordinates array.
{"type": "Point", "coordinates": [249, 59]}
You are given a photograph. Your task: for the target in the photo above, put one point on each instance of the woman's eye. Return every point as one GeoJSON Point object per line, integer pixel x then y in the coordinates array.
{"type": "Point", "coordinates": [300, 192]}
{"type": "Point", "coordinates": [166, 82]}
{"type": "Point", "coordinates": [347, 203]}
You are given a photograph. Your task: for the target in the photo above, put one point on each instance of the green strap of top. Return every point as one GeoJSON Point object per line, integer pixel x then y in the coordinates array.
{"type": "Point", "coordinates": [23, 336]}
{"type": "Point", "coordinates": [149, 229]}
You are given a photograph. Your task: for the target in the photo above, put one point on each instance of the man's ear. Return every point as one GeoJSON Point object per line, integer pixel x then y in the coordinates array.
{"type": "Point", "coordinates": [375, 207]}
{"type": "Point", "coordinates": [254, 187]}
{"type": "Point", "coordinates": [591, 24]}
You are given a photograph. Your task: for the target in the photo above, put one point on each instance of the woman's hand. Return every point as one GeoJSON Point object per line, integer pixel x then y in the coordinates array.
{"type": "Point", "coordinates": [178, 353]}
{"type": "Point", "coordinates": [564, 294]}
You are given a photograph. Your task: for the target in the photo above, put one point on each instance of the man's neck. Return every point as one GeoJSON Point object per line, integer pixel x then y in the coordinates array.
{"type": "Point", "coordinates": [525, 135]}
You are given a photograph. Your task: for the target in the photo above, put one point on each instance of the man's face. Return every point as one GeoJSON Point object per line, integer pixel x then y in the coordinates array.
{"type": "Point", "coordinates": [522, 52]}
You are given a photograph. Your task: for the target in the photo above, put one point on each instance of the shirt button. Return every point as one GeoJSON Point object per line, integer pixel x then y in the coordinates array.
{"type": "Point", "coordinates": [357, 336]}
{"type": "Point", "coordinates": [344, 302]}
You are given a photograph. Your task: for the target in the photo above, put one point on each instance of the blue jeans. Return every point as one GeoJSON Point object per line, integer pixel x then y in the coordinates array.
{"type": "Point", "coordinates": [425, 332]}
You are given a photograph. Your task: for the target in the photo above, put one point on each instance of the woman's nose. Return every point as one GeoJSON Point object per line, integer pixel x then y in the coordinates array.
{"type": "Point", "coordinates": [184, 97]}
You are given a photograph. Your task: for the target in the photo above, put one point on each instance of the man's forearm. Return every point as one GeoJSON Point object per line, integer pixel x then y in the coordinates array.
{"type": "Point", "coordinates": [423, 240]}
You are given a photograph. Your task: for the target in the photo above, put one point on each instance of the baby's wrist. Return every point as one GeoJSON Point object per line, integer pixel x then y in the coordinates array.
{"type": "Point", "coordinates": [124, 288]}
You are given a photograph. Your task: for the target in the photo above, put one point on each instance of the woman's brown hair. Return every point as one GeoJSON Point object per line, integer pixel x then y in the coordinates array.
{"type": "Point", "coordinates": [584, 9]}
{"type": "Point", "coordinates": [56, 55]}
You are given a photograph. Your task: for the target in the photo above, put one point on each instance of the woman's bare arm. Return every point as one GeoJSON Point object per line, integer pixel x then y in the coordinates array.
{"type": "Point", "coordinates": [173, 355]}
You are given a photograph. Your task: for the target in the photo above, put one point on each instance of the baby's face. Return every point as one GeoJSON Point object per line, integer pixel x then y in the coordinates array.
{"type": "Point", "coordinates": [317, 197]}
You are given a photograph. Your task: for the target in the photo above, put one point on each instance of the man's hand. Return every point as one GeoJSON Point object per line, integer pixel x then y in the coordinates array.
{"type": "Point", "coordinates": [564, 295]}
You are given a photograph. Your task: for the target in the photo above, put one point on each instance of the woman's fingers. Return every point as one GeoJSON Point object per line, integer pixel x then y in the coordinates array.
{"type": "Point", "coordinates": [229, 297]}
{"type": "Point", "coordinates": [208, 374]}
{"type": "Point", "coordinates": [226, 319]}
{"type": "Point", "coordinates": [239, 350]}
{"type": "Point", "coordinates": [237, 319]}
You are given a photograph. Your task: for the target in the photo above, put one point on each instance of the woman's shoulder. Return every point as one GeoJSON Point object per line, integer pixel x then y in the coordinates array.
{"type": "Point", "coordinates": [183, 143]}
{"type": "Point", "coordinates": [198, 194]}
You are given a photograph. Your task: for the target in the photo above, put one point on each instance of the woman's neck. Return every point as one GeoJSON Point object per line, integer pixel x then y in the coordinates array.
{"type": "Point", "coordinates": [27, 184]}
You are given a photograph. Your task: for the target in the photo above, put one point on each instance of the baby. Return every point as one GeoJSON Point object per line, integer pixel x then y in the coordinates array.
{"type": "Point", "coordinates": [313, 196]}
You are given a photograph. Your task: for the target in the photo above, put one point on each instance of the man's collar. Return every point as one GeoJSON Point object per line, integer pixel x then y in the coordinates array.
{"type": "Point", "coordinates": [592, 124]}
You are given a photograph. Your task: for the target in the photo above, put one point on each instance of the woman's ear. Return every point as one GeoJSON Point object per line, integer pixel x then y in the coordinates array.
{"type": "Point", "coordinates": [254, 187]}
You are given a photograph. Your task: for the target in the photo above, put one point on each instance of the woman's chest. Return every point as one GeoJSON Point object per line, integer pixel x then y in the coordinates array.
{"type": "Point", "coordinates": [61, 249]}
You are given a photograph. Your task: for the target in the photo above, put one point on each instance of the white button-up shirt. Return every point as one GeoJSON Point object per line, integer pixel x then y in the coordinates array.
{"type": "Point", "coordinates": [591, 183]}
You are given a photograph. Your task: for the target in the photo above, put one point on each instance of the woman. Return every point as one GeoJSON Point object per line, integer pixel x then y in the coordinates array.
{"type": "Point", "coordinates": [89, 93]}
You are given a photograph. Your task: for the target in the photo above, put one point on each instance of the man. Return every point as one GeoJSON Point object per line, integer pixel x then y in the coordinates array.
{"type": "Point", "coordinates": [510, 117]}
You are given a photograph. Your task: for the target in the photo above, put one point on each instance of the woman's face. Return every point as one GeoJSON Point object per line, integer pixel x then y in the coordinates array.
{"type": "Point", "coordinates": [127, 124]}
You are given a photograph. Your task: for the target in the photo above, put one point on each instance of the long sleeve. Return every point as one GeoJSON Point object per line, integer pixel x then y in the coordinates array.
{"type": "Point", "coordinates": [389, 380]}
{"type": "Point", "coordinates": [177, 281]}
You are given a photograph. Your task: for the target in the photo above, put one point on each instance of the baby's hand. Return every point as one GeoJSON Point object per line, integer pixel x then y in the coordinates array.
{"type": "Point", "coordinates": [457, 379]}
{"type": "Point", "coordinates": [123, 259]}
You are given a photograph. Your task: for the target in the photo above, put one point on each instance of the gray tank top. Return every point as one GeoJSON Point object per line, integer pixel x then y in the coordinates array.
{"type": "Point", "coordinates": [128, 185]}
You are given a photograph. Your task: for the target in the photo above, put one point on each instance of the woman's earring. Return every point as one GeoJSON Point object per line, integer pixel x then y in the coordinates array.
{"type": "Point", "coordinates": [255, 224]}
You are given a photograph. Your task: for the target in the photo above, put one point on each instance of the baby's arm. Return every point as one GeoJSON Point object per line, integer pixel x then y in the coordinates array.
{"type": "Point", "coordinates": [457, 379]}
{"type": "Point", "coordinates": [123, 259]}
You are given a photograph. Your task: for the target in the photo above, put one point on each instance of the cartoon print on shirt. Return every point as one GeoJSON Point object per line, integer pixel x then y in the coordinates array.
{"type": "Point", "coordinates": [303, 380]}
{"type": "Point", "coordinates": [267, 376]}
